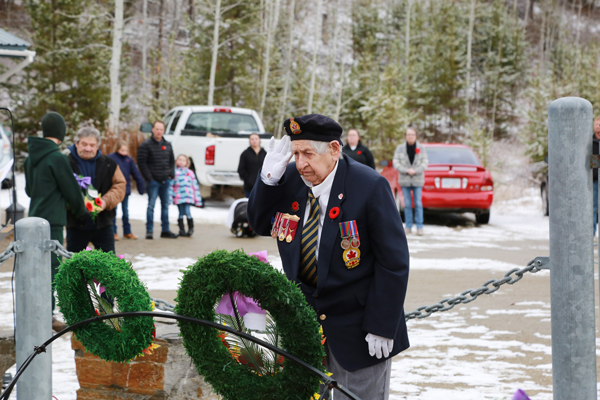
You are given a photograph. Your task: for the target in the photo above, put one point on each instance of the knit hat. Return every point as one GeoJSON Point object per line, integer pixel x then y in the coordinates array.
{"type": "Point", "coordinates": [53, 125]}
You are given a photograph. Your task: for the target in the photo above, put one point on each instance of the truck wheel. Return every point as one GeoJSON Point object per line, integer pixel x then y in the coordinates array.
{"type": "Point", "coordinates": [482, 217]}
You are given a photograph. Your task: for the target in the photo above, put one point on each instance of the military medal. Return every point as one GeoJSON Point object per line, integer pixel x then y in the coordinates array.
{"type": "Point", "coordinates": [351, 257]}
{"type": "Point", "coordinates": [345, 243]}
{"type": "Point", "coordinates": [276, 225]}
{"type": "Point", "coordinates": [288, 226]}
{"type": "Point", "coordinates": [350, 243]}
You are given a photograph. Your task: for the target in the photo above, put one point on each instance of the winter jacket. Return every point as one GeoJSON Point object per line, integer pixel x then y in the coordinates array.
{"type": "Point", "coordinates": [50, 183]}
{"type": "Point", "coordinates": [402, 164]}
{"type": "Point", "coordinates": [129, 169]}
{"type": "Point", "coordinates": [250, 164]}
{"type": "Point", "coordinates": [361, 154]}
{"type": "Point", "coordinates": [156, 160]}
{"type": "Point", "coordinates": [184, 188]}
{"type": "Point", "coordinates": [110, 183]}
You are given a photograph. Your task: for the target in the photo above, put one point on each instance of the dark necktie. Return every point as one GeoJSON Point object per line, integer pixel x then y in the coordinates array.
{"type": "Point", "coordinates": [310, 235]}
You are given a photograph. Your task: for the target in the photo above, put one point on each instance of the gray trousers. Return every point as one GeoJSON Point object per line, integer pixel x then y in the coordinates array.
{"type": "Point", "coordinates": [371, 383]}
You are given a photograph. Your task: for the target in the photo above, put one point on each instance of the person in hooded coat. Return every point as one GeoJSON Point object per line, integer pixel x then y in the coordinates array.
{"type": "Point", "coordinates": [51, 185]}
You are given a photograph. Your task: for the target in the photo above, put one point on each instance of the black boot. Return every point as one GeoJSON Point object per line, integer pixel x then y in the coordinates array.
{"type": "Point", "coordinates": [181, 227]}
{"type": "Point", "coordinates": [190, 226]}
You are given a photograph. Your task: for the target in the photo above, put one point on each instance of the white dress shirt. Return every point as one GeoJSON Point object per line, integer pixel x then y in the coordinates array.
{"type": "Point", "coordinates": [320, 192]}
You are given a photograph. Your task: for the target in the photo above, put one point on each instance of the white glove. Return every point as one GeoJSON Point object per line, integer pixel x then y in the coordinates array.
{"type": "Point", "coordinates": [276, 161]}
{"type": "Point", "coordinates": [379, 346]}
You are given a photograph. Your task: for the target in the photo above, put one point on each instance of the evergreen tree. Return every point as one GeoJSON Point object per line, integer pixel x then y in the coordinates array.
{"type": "Point", "coordinates": [70, 72]}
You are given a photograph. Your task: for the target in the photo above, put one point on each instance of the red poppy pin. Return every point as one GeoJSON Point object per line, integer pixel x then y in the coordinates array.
{"type": "Point", "coordinates": [418, 151]}
{"type": "Point", "coordinates": [98, 201]}
{"type": "Point", "coordinates": [334, 212]}
{"type": "Point", "coordinates": [295, 206]}
{"type": "Point", "coordinates": [164, 147]}
{"type": "Point", "coordinates": [359, 152]}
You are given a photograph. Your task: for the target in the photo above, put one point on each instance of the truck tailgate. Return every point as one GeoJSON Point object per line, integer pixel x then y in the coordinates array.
{"type": "Point", "coordinates": [227, 153]}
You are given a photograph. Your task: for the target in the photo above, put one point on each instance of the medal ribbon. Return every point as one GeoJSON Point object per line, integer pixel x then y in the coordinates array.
{"type": "Point", "coordinates": [348, 229]}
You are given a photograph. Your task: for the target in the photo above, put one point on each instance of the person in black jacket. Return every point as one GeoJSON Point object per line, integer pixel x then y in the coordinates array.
{"type": "Point", "coordinates": [358, 151]}
{"type": "Point", "coordinates": [103, 173]}
{"type": "Point", "coordinates": [156, 162]}
{"type": "Point", "coordinates": [251, 160]}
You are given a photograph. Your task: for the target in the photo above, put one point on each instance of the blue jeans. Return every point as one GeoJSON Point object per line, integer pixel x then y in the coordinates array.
{"type": "Point", "coordinates": [184, 211]}
{"type": "Point", "coordinates": [156, 189]}
{"type": "Point", "coordinates": [408, 211]}
{"type": "Point", "coordinates": [125, 210]}
{"type": "Point", "coordinates": [595, 206]}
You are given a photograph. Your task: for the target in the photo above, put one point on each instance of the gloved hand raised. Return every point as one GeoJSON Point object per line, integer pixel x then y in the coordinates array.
{"type": "Point", "coordinates": [379, 346]}
{"type": "Point", "coordinates": [276, 161]}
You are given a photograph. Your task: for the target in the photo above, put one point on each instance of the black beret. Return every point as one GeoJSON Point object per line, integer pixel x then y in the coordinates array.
{"type": "Point", "coordinates": [53, 125]}
{"type": "Point", "coordinates": [313, 127]}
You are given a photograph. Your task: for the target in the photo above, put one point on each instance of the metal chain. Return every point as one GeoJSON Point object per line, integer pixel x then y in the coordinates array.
{"type": "Point", "coordinates": [8, 253]}
{"type": "Point", "coordinates": [163, 305]}
{"type": "Point", "coordinates": [60, 250]}
{"type": "Point", "coordinates": [425, 311]}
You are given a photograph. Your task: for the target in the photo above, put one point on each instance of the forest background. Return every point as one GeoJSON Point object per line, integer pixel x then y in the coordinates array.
{"type": "Point", "coordinates": [464, 71]}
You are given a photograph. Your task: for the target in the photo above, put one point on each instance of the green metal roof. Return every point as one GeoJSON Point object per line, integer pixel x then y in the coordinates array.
{"type": "Point", "coordinates": [9, 41]}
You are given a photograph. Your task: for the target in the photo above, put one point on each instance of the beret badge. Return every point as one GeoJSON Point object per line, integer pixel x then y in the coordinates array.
{"type": "Point", "coordinates": [294, 127]}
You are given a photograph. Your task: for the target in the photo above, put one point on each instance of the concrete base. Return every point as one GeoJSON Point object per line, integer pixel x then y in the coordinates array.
{"type": "Point", "coordinates": [166, 374]}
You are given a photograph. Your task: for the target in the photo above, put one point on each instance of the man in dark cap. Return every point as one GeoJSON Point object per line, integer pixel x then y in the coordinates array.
{"type": "Point", "coordinates": [50, 183]}
{"type": "Point", "coordinates": [341, 240]}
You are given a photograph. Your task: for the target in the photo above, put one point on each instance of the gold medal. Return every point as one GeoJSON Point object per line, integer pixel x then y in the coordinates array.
{"type": "Point", "coordinates": [351, 257]}
{"type": "Point", "coordinates": [281, 237]}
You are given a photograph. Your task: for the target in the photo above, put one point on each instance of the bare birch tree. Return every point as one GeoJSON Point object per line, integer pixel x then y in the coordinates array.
{"type": "Point", "coordinates": [115, 68]}
{"type": "Point", "coordinates": [273, 21]}
{"type": "Point", "coordinates": [313, 75]}
{"type": "Point", "coordinates": [469, 46]}
{"type": "Point", "coordinates": [288, 69]}
{"type": "Point", "coordinates": [215, 53]}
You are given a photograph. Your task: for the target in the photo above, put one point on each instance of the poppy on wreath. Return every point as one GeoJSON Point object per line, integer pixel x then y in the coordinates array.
{"type": "Point", "coordinates": [89, 207]}
{"type": "Point", "coordinates": [334, 212]}
{"type": "Point", "coordinates": [295, 206]}
{"type": "Point", "coordinates": [418, 151]}
{"type": "Point", "coordinates": [98, 201]}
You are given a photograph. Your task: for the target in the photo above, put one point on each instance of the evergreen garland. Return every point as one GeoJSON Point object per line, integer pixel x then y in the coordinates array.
{"type": "Point", "coordinates": [120, 281]}
{"type": "Point", "coordinates": [220, 272]}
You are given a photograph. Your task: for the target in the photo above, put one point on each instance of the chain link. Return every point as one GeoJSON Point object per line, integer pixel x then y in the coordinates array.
{"type": "Point", "coordinates": [469, 295]}
{"type": "Point", "coordinates": [163, 305]}
{"type": "Point", "coordinates": [60, 250]}
{"type": "Point", "coordinates": [8, 253]}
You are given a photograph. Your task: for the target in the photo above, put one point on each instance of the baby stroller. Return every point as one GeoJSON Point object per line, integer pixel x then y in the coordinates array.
{"type": "Point", "coordinates": [237, 219]}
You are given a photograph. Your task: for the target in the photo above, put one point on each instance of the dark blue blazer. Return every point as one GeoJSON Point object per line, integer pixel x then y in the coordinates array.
{"type": "Point", "coordinates": [349, 302]}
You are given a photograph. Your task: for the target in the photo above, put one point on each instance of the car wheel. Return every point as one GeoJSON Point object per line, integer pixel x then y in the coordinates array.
{"type": "Point", "coordinates": [483, 217]}
{"type": "Point", "coordinates": [545, 205]}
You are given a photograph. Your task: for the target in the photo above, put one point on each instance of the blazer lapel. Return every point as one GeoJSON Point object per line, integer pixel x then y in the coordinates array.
{"type": "Point", "coordinates": [330, 230]}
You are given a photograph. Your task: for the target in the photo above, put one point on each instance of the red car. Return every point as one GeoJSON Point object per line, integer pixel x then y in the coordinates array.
{"type": "Point", "coordinates": [455, 181]}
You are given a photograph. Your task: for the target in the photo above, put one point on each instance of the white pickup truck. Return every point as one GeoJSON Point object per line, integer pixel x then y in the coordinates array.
{"type": "Point", "coordinates": [213, 137]}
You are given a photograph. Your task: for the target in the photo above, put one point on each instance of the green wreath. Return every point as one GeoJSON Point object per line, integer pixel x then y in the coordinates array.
{"type": "Point", "coordinates": [202, 286]}
{"type": "Point", "coordinates": [113, 340]}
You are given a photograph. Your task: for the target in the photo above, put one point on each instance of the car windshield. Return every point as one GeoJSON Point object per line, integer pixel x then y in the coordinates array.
{"type": "Point", "coordinates": [221, 122]}
{"type": "Point", "coordinates": [451, 155]}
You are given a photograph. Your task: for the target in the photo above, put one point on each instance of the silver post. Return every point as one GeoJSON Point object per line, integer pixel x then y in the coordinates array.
{"type": "Point", "coordinates": [34, 307]}
{"type": "Point", "coordinates": [571, 249]}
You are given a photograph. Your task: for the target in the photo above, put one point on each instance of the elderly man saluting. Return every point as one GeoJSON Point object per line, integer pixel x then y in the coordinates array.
{"type": "Point", "coordinates": [341, 239]}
